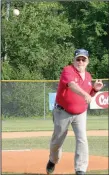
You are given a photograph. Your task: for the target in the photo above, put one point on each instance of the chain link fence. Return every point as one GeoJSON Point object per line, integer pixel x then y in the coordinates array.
{"type": "Point", "coordinates": [27, 98]}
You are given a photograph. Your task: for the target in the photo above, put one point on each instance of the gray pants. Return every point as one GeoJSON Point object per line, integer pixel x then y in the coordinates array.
{"type": "Point", "coordinates": [62, 119]}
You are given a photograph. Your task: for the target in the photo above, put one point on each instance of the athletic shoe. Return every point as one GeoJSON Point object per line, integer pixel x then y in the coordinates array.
{"type": "Point", "coordinates": [50, 167]}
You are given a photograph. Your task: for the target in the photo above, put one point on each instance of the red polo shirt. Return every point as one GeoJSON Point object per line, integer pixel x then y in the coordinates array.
{"type": "Point", "coordinates": [69, 100]}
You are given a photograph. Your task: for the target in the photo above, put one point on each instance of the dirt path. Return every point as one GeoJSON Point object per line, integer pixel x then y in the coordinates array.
{"type": "Point", "coordinates": [34, 161]}
{"type": "Point", "coordinates": [49, 133]}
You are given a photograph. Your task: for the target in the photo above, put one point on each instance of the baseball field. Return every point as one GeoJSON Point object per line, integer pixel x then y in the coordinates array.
{"type": "Point", "coordinates": [25, 147]}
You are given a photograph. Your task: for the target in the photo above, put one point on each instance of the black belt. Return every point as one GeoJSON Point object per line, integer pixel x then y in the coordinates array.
{"type": "Point", "coordinates": [56, 106]}
{"type": "Point", "coordinates": [59, 107]}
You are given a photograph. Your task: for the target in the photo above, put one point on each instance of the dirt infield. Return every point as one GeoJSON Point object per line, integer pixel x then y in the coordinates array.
{"type": "Point", "coordinates": [49, 133]}
{"type": "Point", "coordinates": [34, 161]}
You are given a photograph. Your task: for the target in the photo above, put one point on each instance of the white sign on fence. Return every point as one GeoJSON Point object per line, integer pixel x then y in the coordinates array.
{"type": "Point", "coordinates": [100, 100]}
{"type": "Point", "coordinates": [52, 97]}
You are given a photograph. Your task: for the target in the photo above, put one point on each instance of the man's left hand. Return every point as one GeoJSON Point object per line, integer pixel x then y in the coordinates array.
{"type": "Point", "coordinates": [98, 85]}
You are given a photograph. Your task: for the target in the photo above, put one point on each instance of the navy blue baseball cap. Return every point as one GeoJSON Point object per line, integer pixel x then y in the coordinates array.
{"type": "Point", "coordinates": [81, 52]}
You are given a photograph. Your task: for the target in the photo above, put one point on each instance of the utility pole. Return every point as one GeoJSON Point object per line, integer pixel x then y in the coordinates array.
{"type": "Point", "coordinates": [7, 18]}
{"type": "Point", "coordinates": [7, 9]}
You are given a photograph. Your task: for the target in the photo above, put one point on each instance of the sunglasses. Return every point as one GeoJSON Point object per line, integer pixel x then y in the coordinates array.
{"type": "Point", "coordinates": [81, 59]}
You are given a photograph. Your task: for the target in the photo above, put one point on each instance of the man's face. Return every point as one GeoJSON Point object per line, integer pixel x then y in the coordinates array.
{"type": "Point", "coordinates": [81, 63]}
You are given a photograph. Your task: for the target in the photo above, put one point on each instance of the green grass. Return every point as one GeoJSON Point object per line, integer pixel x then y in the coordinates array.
{"type": "Point", "coordinates": [97, 145]}
{"type": "Point", "coordinates": [26, 124]}
{"type": "Point", "coordinates": [32, 124]}
{"type": "Point", "coordinates": [103, 172]}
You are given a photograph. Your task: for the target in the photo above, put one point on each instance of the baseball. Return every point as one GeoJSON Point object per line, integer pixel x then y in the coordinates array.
{"type": "Point", "coordinates": [16, 12]}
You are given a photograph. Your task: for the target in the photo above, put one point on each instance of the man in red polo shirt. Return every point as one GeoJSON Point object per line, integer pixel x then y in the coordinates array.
{"type": "Point", "coordinates": [74, 93]}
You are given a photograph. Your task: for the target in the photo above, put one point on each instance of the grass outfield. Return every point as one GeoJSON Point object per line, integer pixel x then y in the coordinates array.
{"type": "Point", "coordinates": [33, 124]}
{"type": "Point", "coordinates": [97, 145]}
{"type": "Point", "coordinates": [89, 172]}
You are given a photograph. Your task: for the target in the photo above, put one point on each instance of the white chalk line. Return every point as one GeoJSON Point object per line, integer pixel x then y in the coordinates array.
{"type": "Point", "coordinates": [22, 150]}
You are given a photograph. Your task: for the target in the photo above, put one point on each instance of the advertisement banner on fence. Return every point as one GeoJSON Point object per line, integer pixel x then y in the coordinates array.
{"type": "Point", "coordinates": [100, 100]}
{"type": "Point", "coordinates": [51, 100]}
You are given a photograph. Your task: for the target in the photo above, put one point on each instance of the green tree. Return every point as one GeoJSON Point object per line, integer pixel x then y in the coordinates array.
{"type": "Point", "coordinates": [37, 39]}
{"type": "Point", "coordinates": [89, 22]}
{"type": "Point", "coordinates": [42, 39]}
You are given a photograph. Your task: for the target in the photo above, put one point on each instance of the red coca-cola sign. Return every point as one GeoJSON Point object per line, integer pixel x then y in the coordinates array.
{"type": "Point", "coordinates": [102, 99]}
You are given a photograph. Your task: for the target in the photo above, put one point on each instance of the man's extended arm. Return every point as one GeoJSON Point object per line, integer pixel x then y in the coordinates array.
{"type": "Point", "coordinates": [77, 89]}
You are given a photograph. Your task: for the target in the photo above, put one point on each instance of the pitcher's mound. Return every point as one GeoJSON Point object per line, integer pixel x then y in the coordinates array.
{"type": "Point", "coordinates": [34, 161]}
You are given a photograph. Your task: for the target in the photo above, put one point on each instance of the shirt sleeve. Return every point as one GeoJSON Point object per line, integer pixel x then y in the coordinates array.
{"type": "Point", "coordinates": [67, 75]}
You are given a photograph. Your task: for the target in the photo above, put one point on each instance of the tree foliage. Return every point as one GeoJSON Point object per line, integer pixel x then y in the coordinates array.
{"type": "Point", "coordinates": [42, 39]}
{"type": "Point", "coordinates": [39, 42]}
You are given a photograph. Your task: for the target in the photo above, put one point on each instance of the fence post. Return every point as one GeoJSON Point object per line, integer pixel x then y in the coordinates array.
{"type": "Point", "coordinates": [44, 100]}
